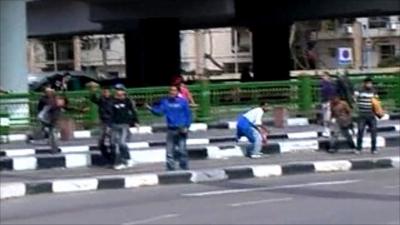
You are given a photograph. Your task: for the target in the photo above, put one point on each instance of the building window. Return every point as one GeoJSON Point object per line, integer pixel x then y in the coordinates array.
{"type": "Point", "coordinates": [105, 43]}
{"type": "Point", "coordinates": [88, 43]}
{"type": "Point", "coordinates": [332, 52]}
{"type": "Point", "coordinates": [378, 22]}
{"type": "Point", "coordinates": [65, 50]}
{"type": "Point", "coordinates": [387, 51]}
{"type": "Point", "coordinates": [243, 38]}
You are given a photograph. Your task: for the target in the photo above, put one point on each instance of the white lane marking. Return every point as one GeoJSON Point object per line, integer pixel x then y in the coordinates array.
{"type": "Point", "coordinates": [166, 216]}
{"type": "Point", "coordinates": [233, 191]}
{"type": "Point", "coordinates": [260, 202]}
{"type": "Point", "coordinates": [392, 186]}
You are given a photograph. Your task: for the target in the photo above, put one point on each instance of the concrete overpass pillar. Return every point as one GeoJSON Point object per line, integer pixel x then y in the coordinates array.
{"type": "Point", "coordinates": [358, 44]}
{"type": "Point", "coordinates": [76, 42]}
{"type": "Point", "coordinates": [13, 41]}
{"type": "Point", "coordinates": [153, 53]}
{"type": "Point", "coordinates": [271, 45]}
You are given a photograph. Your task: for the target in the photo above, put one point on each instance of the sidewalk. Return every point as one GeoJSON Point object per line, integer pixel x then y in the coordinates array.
{"type": "Point", "coordinates": [227, 124]}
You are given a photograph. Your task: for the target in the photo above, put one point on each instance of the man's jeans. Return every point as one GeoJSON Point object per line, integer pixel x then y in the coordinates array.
{"type": "Point", "coordinates": [363, 121]}
{"type": "Point", "coordinates": [256, 144]}
{"type": "Point", "coordinates": [245, 128]}
{"type": "Point", "coordinates": [176, 149]}
{"type": "Point", "coordinates": [49, 132]}
{"type": "Point", "coordinates": [104, 143]}
{"type": "Point", "coordinates": [118, 139]}
{"type": "Point", "coordinates": [345, 131]}
{"type": "Point", "coordinates": [326, 117]}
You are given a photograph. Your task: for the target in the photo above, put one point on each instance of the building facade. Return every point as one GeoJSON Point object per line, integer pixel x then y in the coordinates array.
{"type": "Point", "coordinates": [225, 50]}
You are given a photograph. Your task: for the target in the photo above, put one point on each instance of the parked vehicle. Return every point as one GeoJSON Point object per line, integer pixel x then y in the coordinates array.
{"type": "Point", "coordinates": [76, 80]}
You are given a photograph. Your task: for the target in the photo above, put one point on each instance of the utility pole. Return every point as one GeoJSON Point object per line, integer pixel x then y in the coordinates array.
{"type": "Point", "coordinates": [104, 55]}
{"type": "Point", "coordinates": [55, 56]}
{"type": "Point", "coordinates": [76, 42]}
{"type": "Point", "coordinates": [358, 44]}
{"type": "Point", "coordinates": [204, 111]}
{"type": "Point", "coordinates": [31, 55]}
{"type": "Point", "coordinates": [368, 45]}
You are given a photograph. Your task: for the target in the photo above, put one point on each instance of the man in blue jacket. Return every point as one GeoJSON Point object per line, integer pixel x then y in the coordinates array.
{"type": "Point", "coordinates": [179, 117]}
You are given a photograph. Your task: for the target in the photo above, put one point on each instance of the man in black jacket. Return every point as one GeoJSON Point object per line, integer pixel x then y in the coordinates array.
{"type": "Point", "coordinates": [104, 104]}
{"type": "Point", "coordinates": [123, 114]}
{"type": "Point", "coordinates": [44, 100]}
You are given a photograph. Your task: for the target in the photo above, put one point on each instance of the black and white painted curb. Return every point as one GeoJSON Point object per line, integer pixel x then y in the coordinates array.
{"type": "Point", "coordinates": [190, 141]}
{"type": "Point", "coordinates": [12, 190]}
{"type": "Point", "coordinates": [230, 125]}
{"type": "Point", "coordinates": [162, 128]}
{"type": "Point", "coordinates": [82, 156]}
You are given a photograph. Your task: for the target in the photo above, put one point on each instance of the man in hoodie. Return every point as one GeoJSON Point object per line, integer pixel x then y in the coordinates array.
{"type": "Point", "coordinates": [179, 117]}
{"type": "Point", "coordinates": [104, 104]}
{"type": "Point", "coordinates": [123, 114]}
{"type": "Point", "coordinates": [341, 113]}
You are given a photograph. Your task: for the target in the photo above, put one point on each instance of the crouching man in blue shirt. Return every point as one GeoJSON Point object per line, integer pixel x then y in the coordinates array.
{"type": "Point", "coordinates": [250, 126]}
{"type": "Point", "coordinates": [179, 117]}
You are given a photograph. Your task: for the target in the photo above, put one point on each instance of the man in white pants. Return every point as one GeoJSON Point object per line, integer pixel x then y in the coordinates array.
{"type": "Point", "coordinates": [328, 91]}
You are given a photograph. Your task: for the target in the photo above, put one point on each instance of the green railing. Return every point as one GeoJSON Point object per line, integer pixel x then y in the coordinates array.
{"type": "Point", "coordinates": [215, 101]}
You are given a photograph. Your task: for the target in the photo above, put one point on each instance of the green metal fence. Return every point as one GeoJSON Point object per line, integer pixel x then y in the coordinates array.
{"type": "Point", "coordinates": [215, 101]}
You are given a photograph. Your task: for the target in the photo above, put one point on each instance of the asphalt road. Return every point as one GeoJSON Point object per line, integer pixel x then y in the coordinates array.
{"type": "Point", "coordinates": [363, 197]}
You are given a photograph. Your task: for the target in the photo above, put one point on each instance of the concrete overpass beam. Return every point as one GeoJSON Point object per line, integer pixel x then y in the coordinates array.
{"type": "Point", "coordinates": [153, 52]}
{"type": "Point", "coordinates": [266, 54]}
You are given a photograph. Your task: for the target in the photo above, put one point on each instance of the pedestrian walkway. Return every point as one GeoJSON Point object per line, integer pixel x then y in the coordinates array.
{"type": "Point", "coordinates": [202, 145]}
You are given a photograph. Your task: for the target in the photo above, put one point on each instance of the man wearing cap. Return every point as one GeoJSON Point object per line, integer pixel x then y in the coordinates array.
{"type": "Point", "coordinates": [123, 114]}
{"type": "Point", "coordinates": [179, 117]}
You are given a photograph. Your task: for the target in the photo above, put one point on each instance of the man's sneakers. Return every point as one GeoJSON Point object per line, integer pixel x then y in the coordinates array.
{"type": "Point", "coordinates": [120, 167]}
{"type": "Point", "coordinates": [130, 163]}
{"type": "Point", "coordinates": [357, 152]}
{"type": "Point", "coordinates": [127, 164]}
{"type": "Point", "coordinates": [256, 156]}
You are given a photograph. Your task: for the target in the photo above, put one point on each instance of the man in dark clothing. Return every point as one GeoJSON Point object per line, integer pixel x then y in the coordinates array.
{"type": "Point", "coordinates": [49, 116]}
{"type": "Point", "coordinates": [44, 100]}
{"type": "Point", "coordinates": [366, 114]}
{"type": "Point", "coordinates": [123, 114]}
{"type": "Point", "coordinates": [104, 104]}
{"type": "Point", "coordinates": [341, 113]}
{"type": "Point", "coordinates": [179, 118]}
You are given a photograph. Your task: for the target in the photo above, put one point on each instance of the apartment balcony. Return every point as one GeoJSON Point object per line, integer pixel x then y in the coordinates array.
{"type": "Point", "coordinates": [346, 32]}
